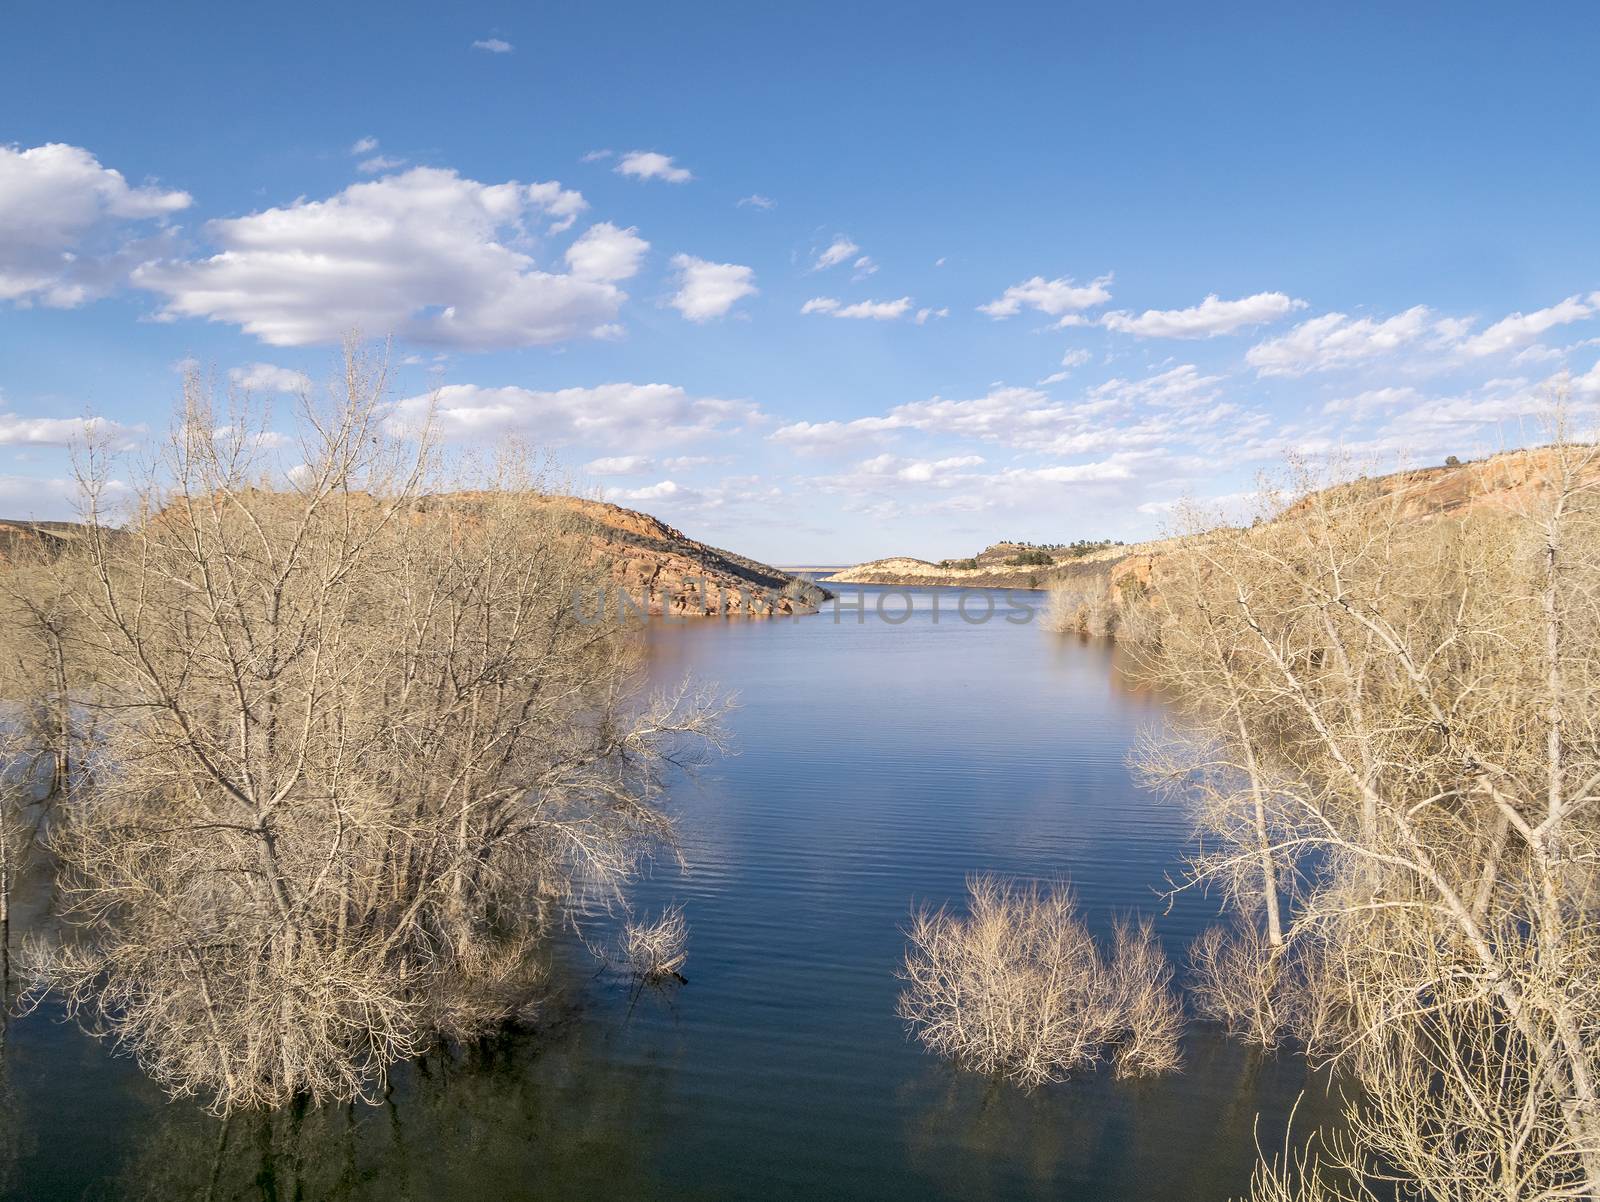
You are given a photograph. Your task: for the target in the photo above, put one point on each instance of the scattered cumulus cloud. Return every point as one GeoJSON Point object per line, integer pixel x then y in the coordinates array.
{"type": "Point", "coordinates": [364, 145]}
{"type": "Point", "coordinates": [619, 465]}
{"type": "Point", "coordinates": [379, 163]}
{"type": "Point", "coordinates": [1374, 400]}
{"type": "Point", "coordinates": [925, 315]}
{"type": "Point", "coordinates": [647, 164]}
{"type": "Point", "coordinates": [807, 436]}
{"type": "Point", "coordinates": [707, 290]}
{"type": "Point", "coordinates": [662, 491]}
{"type": "Point", "coordinates": [840, 250]}
{"type": "Point", "coordinates": [870, 310]}
{"type": "Point", "coordinates": [267, 377]}
{"type": "Point", "coordinates": [1519, 329]}
{"type": "Point", "coordinates": [426, 254]}
{"type": "Point", "coordinates": [1054, 298]}
{"type": "Point", "coordinates": [944, 471]}
{"type": "Point", "coordinates": [1208, 319]}
{"type": "Point", "coordinates": [64, 225]}
{"type": "Point", "coordinates": [16, 430]}
{"type": "Point", "coordinates": [604, 252]}
{"type": "Point", "coordinates": [1337, 340]}
{"type": "Point", "coordinates": [609, 415]}
{"type": "Point", "coordinates": [757, 201]}
{"type": "Point", "coordinates": [493, 45]}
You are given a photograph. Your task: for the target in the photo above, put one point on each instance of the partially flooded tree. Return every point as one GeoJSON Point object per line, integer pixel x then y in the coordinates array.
{"type": "Point", "coordinates": [1394, 702]}
{"type": "Point", "coordinates": [359, 751]}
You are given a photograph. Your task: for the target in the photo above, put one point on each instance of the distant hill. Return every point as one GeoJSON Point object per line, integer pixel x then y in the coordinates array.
{"type": "Point", "coordinates": [1504, 480]}
{"type": "Point", "coordinates": [999, 565]}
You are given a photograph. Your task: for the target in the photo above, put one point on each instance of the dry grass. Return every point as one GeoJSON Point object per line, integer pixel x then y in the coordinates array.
{"type": "Point", "coordinates": [1016, 988]}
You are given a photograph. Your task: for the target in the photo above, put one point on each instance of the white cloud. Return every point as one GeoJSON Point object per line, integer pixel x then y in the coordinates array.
{"type": "Point", "coordinates": [840, 250]}
{"type": "Point", "coordinates": [62, 219]}
{"type": "Point", "coordinates": [619, 465]}
{"type": "Point", "coordinates": [832, 435]}
{"type": "Point", "coordinates": [685, 463]}
{"type": "Point", "coordinates": [1519, 329]}
{"type": "Point", "coordinates": [55, 431]}
{"type": "Point", "coordinates": [647, 164]}
{"type": "Point", "coordinates": [1050, 297]}
{"type": "Point", "coordinates": [561, 205]}
{"type": "Point", "coordinates": [1177, 386]}
{"type": "Point", "coordinates": [595, 156]}
{"type": "Point", "coordinates": [939, 472]}
{"type": "Point", "coordinates": [609, 415]}
{"type": "Point", "coordinates": [864, 266]}
{"type": "Point", "coordinates": [364, 145]}
{"type": "Point", "coordinates": [1375, 400]}
{"type": "Point", "coordinates": [924, 314]}
{"type": "Point", "coordinates": [1208, 319]}
{"type": "Point", "coordinates": [266, 377]}
{"type": "Point", "coordinates": [1336, 340]}
{"type": "Point", "coordinates": [234, 438]}
{"type": "Point", "coordinates": [757, 201]}
{"type": "Point", "coordinates": [426, 255]}
{"type": "Point", "coordinates": [604, 252]}
{"type": "Point", "coordinates": [379, 163]}
{"type": "Point", "coordinates": [707, 290]}
{"type": "Point", "coordinates": [861, 310]}
{"type": "Point", "coordinates": [493, 45]}
{"type": "Point", "coordinates": [1071, 360]}
{"type": "Point", "coordinates": [665, 490]}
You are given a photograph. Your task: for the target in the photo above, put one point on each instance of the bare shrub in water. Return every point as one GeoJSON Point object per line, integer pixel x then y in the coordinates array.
{"type": "Point", "coordinates": [1077, 607]}
{"type": "Point", "coordinates": [360, 752]}
{"type": "Point", "coordinates": [656, 950]}
{"type": "Point", "coordinates": [1016, 987]}
{"type": "Point", "coordinates": [1149, 1014]}
{"type": "Point", "coordinates": [1098, 607]}
{"type": "Point", "coordinates": [1237, 980]}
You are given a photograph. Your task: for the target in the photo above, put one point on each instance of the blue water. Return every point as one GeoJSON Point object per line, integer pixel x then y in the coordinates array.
{"type": "Point", "coordinates": [877, 766]}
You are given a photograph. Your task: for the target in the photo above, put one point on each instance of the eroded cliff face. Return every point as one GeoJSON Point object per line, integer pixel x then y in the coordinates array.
{"type": "Point", "coordinates": [659, 569]}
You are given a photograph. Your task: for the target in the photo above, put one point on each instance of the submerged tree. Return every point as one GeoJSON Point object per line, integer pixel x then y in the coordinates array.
{"type": "Point", "coordinates": [359, 750]}
{"type": "Point", "coordinates": [1393, 719]}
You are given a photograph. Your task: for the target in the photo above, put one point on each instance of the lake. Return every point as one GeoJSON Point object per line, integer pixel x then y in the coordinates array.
{"type": "Point", "coordinates": [876, 766]}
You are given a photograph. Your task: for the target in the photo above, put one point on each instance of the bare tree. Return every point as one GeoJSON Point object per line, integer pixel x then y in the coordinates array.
{"type": "Point", "coordinates": [358, 752]}
{"type": "Point", "coordinates": [1392, 725]}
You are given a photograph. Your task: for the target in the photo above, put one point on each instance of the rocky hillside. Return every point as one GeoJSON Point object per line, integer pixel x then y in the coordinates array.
{"type": "Point", "coordinates": [31, 538]}
{"type": "Point", "coordinates": [1507, 480]}
{"type": "Point", "coordinates": [1513, 480]}
{"type": "Point", "coordinates": [654, 564]}
{"type": "Point", "coordinates": [657, 567]}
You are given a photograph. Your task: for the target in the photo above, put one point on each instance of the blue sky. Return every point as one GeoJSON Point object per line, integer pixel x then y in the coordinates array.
{"type": "Point", "coordinates": [817, 282]}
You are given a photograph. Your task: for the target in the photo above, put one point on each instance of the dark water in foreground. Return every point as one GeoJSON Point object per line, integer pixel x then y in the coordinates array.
{"type": "Point", "coordinates": [877, 766]}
